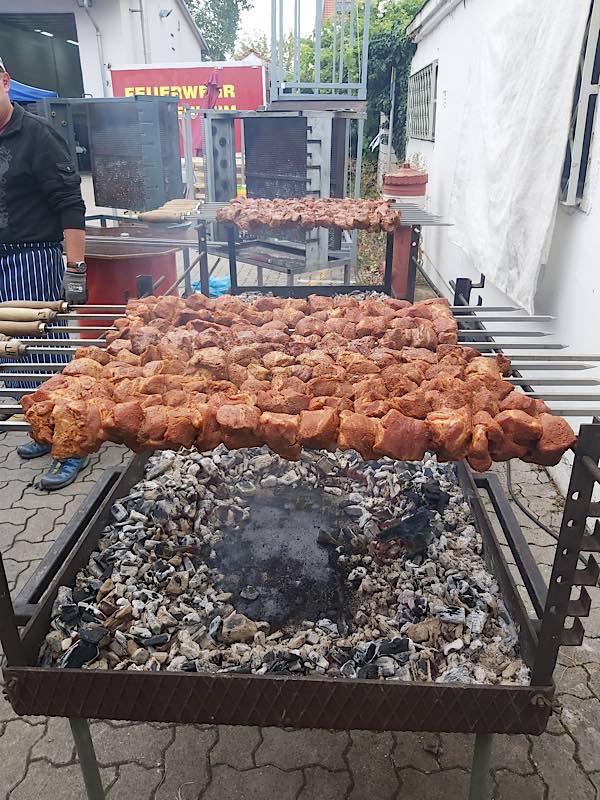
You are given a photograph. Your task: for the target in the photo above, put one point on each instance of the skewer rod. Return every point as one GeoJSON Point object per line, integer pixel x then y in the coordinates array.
{"type": "Point", "coordinates": [91, 305]}
{"type": "Point", "coordinates": [554, 381]}
{"type": "Point", "coordinates": [26, 376]}
{"type": "Point", "coordinates": [7, 426]}
{"type": "Point", "coordinates": [6, 409]}
{"type": "Point", "coordinates": [520, 346]}
{"type": "Point", "coordinates": [565, 396]}
{"type": "Point", "coordinates": [113, 316]}
{"type": "Point", "coordinates": [464, 332]}
{"type": "Point", "coordinates": [500, 318]}
{"type": "Point", "coordinates": [559, 357]}
{"type": "Point", "coordinates": [80, 329]}
{"type": "Point", "coordinates": [68, 342]}
{"type": "Point", "coordinates": [483, 308]}
{"type": "Point", "coordinates": [550, 366]}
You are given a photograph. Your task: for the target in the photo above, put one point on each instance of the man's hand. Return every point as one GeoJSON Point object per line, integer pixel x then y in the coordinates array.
{"type": "Point", "coordinates": [74, 288]}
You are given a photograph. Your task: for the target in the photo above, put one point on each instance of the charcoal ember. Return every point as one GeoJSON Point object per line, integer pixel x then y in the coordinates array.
{"type": "Point", "coordinates": [435, 497]}
{"type": "Point", "coordinates": [80, 654]}
{"type": "Point", "coordinates": [392, 647]}
{"type": "Point", "coordinates": [368, 671]}
{"type": "Point", "coordinates": [413, 531]}
{"type": "Point", "coordinates": [426, 611]}
{"type": "Point", "coordinates": [93, 634]}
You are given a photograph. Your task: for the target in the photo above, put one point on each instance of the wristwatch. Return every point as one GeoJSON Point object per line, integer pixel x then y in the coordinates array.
{"type": "Point", "coordinates": [79, 267]}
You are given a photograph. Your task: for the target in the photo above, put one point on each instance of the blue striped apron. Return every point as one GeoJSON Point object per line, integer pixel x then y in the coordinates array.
{"type": "Point", "coordinates": [32, 271]}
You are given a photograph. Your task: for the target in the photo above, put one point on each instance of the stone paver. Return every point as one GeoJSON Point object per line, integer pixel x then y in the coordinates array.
{"type": "Point", "coordinates": [293, 749]}
{"type": "Point", "coordinates": [168, 762]}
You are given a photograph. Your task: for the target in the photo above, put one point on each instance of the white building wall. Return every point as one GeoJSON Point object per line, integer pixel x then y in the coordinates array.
{"type": "Point", "coordinates": [569, 288]}
{"type": "Point", "coordinates": [170, 39]}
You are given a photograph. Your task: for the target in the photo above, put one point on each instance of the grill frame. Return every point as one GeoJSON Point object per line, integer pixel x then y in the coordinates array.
{"type": "Point", "coordinates": [321, 702]}
{"type": "Point", "coordinates": [255, 699]}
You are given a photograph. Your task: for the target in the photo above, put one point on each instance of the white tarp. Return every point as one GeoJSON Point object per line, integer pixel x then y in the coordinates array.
{"type": "Point", "coordinates": [513, 138]}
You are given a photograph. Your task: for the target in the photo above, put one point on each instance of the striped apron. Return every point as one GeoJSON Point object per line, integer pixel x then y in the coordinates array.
{"type": "Point", "coordinates": [32, 272]}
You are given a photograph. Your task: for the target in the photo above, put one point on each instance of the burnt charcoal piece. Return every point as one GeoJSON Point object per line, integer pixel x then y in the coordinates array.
{"type": "Point", "coordinates": [69, 613]}
{"type": "Point", "coordinates": [93, 634]}
{"type": "Point", "coordinates": [80, 654]}
{"type": "Point", "coordinates": [369, 671]}
{"type": "Point", "coordinates": [392, 647]}
{"type": "Point", "coordinates": [84, 595]}
{"type": "Point", "coordinates": [413, 531]}
{"type": "Point", "coordinates": [435, 497]}
{"type": "Point", "coordinates": [159, 640]}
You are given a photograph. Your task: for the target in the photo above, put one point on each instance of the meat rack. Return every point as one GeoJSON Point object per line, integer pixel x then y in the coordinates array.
{"type": "Point", "coordinates": [322, 702]}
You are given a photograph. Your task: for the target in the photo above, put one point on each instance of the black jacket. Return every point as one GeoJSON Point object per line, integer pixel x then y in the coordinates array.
{"type": "Point", "coordinates": [40, 194]}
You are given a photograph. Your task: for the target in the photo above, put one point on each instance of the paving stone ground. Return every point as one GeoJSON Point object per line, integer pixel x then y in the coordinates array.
{"type": "Point", "coordinates": [169, 762]}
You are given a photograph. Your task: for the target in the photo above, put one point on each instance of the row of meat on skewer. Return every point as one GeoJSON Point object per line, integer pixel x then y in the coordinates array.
{"type": "Point", "coordinates": [382, 377]}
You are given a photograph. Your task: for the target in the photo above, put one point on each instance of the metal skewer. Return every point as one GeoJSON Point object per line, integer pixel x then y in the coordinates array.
{"type": "Point", "coordinates": [521, 346]}
{"type": "Point", "coordinates": [78, 329]}
{"type": "Point", "coordinates": [585, 398]}
{"type": "Point", "coordinates": [463, 332]}
{"type": "Point", "coordinates": [550, 366]}
{"type": "Point", "coordinates": [56, 343]}
{"type": "Point", "coordinates": [554, 381]}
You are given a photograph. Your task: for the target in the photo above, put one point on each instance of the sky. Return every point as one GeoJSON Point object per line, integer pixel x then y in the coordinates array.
{"type": "Point", "coordinates": [258, 20]}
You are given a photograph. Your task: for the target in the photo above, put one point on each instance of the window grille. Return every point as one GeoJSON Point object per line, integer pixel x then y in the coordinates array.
{"type": "Point", "coordinates": [422, 98]}
{"type": "Point", "coordinates": [581, 131]}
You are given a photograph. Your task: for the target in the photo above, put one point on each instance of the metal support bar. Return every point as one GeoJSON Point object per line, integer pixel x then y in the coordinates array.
{"type": "Point", "coordinates": [82, 737]}
{"type": "Point", "coordinates": [389, 262]}
{"type": "Point", "coordinates": [203, 250]}
{"type": "Point", "coordinates": [231, 251]}
{"type": "Point", "coordinates": [411, 275]}
{"type": "Point", "coordinates": [9, 633]}
{"type": "Point", "coordinates": [480, 768]}
{"type": "Point", "coordinates": [526, 563]}
{"type": "Point", "coordinates": [584, 475]}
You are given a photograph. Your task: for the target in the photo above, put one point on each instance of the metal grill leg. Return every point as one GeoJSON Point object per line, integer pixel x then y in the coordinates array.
{"type": "Point", "coordinates": [87, 759]}
{"type": "Point", "coordinates": [479, 788]}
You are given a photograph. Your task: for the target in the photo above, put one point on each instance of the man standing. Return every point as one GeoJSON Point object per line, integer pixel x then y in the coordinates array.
{"type": "Point", "coordinates": [40, 204]}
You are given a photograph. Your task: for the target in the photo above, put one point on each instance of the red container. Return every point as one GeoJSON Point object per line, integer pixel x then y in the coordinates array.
{"type": "Point", "coordinates": [405, 181]}
{"type": "Point", "coordinates": [112, 278]}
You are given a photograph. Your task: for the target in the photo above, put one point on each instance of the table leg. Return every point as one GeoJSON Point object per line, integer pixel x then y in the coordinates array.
{"type": "Point", "coordinates": [479, 788]}
{"type": "Point", "coordinates": [260, 281]}
{"type": "Point", "coordinates": [290, 278]}
{"type": "Point", "coordinates": [80, 729]}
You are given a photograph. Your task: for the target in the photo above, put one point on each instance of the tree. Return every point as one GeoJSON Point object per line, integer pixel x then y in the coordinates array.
{"type": "Point", "coordinates": [258, 43]}
{"type": "Point", "coordinates": [218, 21]}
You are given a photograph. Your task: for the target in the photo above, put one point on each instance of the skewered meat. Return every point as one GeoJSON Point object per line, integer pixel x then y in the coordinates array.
{"type": "Point", "coordinates": [401, 437]}
{"type": "Point", "coordinates": [227, 376]}
{"type": "Point", "coordinates": [358, 432]}
{"type": "Point", "coordinates": [309, 212]}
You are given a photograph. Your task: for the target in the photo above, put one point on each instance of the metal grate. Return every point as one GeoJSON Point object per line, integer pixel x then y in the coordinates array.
{"type": "Point", "coordinates": [422, 96]}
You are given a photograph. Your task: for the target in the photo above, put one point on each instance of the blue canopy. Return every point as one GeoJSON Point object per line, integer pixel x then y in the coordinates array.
{"type": "Point", "coordinates": [22, 93]}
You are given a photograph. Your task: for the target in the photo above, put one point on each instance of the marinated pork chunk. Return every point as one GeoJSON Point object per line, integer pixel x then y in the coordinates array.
{"type": "Point", "coordinates": [382, 377]}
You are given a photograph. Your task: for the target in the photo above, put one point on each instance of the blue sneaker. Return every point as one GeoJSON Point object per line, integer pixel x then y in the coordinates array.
{"type": "Point", "coordinates": [33, 450]}
{"type": "Point", "coordinates": [62, 473]}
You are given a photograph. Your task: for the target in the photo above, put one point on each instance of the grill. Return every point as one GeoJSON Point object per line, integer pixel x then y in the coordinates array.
{"type": "Point", "coordinates": [321, 702]}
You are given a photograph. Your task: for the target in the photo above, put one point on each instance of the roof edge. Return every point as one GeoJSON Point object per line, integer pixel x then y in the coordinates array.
{"type": "Point", "coordinates": [195, 29]}
{"type": "Point", "coordinates": [429, 17]}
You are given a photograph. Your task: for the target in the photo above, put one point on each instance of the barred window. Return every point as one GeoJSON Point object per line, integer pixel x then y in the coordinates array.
{"type": "Point", "coordinates": [583, 116]}
{"type": "Point", "coordinates": [422, 98]}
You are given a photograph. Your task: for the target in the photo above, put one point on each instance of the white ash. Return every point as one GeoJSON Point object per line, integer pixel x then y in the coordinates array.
{"type": "Point", "coordinates": [421, 604]}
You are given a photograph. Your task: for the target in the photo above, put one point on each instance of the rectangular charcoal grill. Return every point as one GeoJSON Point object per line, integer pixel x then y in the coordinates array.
{"type": "Point", "coordinates": [321, 702]}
